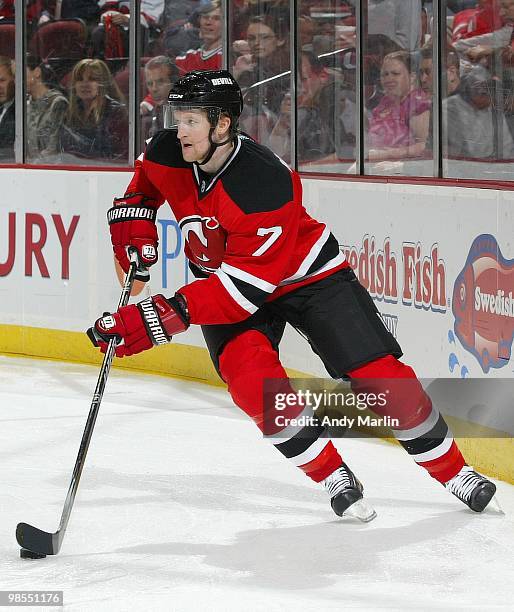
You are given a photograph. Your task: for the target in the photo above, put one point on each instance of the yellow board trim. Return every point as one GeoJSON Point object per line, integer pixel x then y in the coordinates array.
{"type": "Point", "coordinates": [176, 360]}
{"type": "Point", "coordinates": [491, 455]}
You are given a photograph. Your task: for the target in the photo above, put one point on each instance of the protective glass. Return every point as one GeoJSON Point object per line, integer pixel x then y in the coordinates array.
{"type": "Point", "coordinates": [191, 117]}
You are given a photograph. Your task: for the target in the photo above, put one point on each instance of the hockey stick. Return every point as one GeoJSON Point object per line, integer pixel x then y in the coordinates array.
{"type": "Point", "coordinates": [36, 543]}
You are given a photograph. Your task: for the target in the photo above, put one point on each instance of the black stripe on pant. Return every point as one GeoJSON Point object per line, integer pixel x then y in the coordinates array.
{"type": "Point", "coordinates": [429, 440]}
{"type": "Point", "coordinates": [301, 441]}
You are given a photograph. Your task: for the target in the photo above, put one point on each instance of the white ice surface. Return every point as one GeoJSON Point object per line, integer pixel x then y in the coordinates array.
{"type": "Point", "coordinates": [182, 506]}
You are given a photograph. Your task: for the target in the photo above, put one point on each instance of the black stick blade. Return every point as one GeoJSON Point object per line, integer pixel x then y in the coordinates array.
{"type": "Point", "coordinates": [37, 541]}
{"type": "Point", "coordinates": [28, 554]}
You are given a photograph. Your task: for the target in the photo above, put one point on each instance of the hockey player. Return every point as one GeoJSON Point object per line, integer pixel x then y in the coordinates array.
{"type": "Point", "coordinates": [261, 261]}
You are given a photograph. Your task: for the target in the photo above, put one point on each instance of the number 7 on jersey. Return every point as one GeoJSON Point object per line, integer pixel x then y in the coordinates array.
{"type": "Point", "coordinates": [275, 232]}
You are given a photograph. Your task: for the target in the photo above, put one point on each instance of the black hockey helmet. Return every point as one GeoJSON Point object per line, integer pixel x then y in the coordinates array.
{"type": "Point", "coordinates": [209, 90]}
{"type": "Point", "coordinates": [214, 91]}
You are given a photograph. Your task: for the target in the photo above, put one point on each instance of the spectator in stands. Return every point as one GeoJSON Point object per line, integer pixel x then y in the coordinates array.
{"type": "Point", "coordinates": [346, 103]}
{"type": "Point", "coordinates": [45, 112]}
{"type": "Point", "coordinates": [208, 56]}
{"type": "Point", "coordinates": [160, 74]}
{"type": "Point", "coordinates": [267, 36]}
{"type": "Point", "coordinates": [179, 32]}
{"type": "Point", "coordinates": [259, 73]}
{"type": "Point", "coordinates": [88, 10]}
{"type": "Point", "coordinates": [346, 122]}
{"type": "Point", "coordinates": [110, 38]}
{"type": "Point", "coordinates": [316, 114]}
{"type": "Point", "coordinates": [307, 30]}
{"type": "Point", "coordinates": [452, 81]}
{"type": "Point", "coordinates": [472, 127]}
{"type": "Point", "coordinates": [450, 85]}
{"type": "Point", "coordinates": [7, 109]}
{"type": "Point", "coordinates": [41, 11]}
{"type": "Point", "coordinates": [496, 38]}
{"type": "Point", "coordinates": [482, 19]}
{"type": "Point", "coordinates": [399, 20]}
{"type": "Point", "coordinates": [347, 64]}
{"type": "Point", "coordinates": [96, 125]}
{"type": "Point", "coordinates": [179, 12]}
{"type": "Point", "coordinates": [398, 126]}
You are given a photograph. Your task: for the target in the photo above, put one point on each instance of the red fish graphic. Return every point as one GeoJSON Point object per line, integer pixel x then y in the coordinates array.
{"type": "Point", "coordinates": [483, 303]}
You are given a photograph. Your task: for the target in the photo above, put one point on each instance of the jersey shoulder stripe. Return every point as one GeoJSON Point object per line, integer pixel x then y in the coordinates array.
{"type": "Point", "coordinates": [258, 181]}
{"type": "Point", "coordinates": [164, 148]}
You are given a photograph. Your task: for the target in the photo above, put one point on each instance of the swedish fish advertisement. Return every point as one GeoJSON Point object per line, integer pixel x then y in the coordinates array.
{"type": "Point", "coordinates": [483, 305]}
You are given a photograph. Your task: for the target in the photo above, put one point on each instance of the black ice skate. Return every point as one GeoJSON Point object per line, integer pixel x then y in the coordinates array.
{"type": "Point", "coordinates": [472, 488]}
{"type": "Point", "coordinates": [346, 498]}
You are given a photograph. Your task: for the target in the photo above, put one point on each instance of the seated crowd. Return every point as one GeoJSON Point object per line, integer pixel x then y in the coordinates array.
{"type": "Point", "coordinates": [77, 107]}
{"type": "Point", "coordinates": [77, 89]}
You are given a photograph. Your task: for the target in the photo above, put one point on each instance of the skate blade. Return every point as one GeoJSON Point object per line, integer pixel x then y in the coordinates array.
{"type": "Point", "coordinates": [361, 510]}
{"type": "Point", "coordinates": [496, 505]}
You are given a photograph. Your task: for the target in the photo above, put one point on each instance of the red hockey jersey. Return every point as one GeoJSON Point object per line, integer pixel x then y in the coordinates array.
{"type": "Point", "coordinates": [199, 59]}
{"type": "Point", "coordinates": [246, 232]}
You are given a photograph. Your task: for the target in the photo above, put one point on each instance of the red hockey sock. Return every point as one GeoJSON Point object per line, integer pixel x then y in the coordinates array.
{"type": "Point", "coordinates": [422, 431]}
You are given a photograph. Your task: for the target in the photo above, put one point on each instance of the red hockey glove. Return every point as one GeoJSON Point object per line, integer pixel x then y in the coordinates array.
{"type": "Point", "coordinates": [141, 326]}
{"type": "Point", "coordinates": [132, 224]}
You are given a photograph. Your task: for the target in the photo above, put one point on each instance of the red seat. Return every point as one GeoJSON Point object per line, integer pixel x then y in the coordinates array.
{"type": "Point", "coordinates": [60, 43]}
{"type": "Point", "coordinates": [62, 39]}
{"type": "Point", "coordinates": [7, 40]}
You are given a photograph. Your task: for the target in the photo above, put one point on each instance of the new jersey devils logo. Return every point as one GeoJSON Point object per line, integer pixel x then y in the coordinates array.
{"type": "Point", "coordinates": [204, 241]}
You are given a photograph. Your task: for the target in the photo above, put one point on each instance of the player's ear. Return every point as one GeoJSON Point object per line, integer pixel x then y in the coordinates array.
{"type": "Point", "coordinates": [223, 126]}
